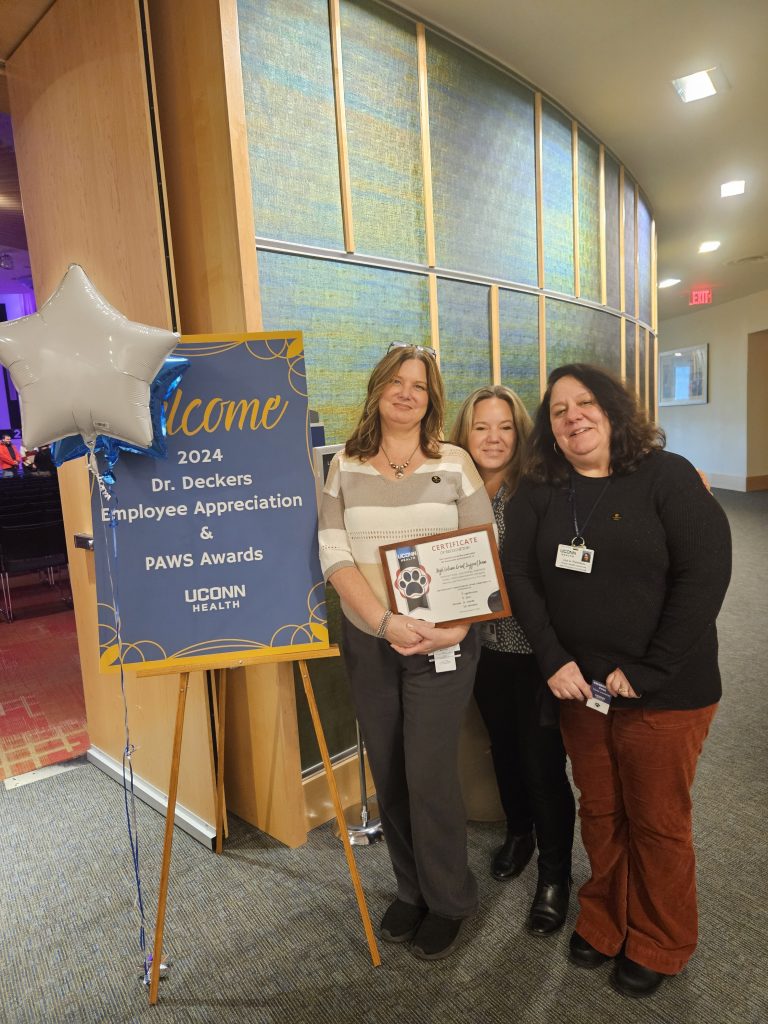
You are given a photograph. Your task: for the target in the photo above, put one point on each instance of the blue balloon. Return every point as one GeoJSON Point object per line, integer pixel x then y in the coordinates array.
{"type": "Point", "coordinates": [162, 387]}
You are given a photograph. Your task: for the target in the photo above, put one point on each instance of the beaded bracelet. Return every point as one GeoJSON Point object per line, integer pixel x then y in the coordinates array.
{"type": "Point", "coordinates": [383, 624]}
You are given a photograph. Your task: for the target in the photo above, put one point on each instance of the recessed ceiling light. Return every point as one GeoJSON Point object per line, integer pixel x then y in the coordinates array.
{"type": "Point", "coordinates": [694, 87]}
{"type": "Point", "coordinates": [678, 353]}
{"type": "Point", "coordinates": [732, 188]}
{"type": "Point", "coordinates": [709, 246]}
{"type": "Point", "coordinates": [668, 282]}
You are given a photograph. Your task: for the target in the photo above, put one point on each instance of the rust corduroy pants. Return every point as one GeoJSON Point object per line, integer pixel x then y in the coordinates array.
{"type": "Point", "coordinates": [634, 769]}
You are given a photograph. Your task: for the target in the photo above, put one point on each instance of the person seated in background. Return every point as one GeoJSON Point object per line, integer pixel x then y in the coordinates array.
{"type": "Point", "coordinates": [528, 754]}
{"type": "Point", "coordinates": [9, 457]}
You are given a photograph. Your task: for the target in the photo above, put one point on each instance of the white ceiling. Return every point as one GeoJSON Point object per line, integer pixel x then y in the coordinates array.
{"type": "Point", "coordinates": [610, 63]}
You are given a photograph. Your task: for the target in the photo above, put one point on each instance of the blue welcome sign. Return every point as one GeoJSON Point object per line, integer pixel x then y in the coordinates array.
{"type": "Point", "coordinates": [210, 556]}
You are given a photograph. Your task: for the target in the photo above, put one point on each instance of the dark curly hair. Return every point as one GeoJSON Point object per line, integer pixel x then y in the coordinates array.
{"type": "Point", "coordinates": [633, 436]}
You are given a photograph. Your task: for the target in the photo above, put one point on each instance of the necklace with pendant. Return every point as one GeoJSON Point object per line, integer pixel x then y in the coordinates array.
{"type": "Point", "coordinates": [399, 467]}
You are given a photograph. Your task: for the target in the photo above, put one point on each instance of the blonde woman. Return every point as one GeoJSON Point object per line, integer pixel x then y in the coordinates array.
{"type": "Point", "coordinates": [396, 481]}
{"type": "Point", "coordinates": [528, 756]}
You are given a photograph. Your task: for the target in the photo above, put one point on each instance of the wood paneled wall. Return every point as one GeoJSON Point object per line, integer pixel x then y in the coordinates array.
{"type": "Point", "coordinates": [80, 108]}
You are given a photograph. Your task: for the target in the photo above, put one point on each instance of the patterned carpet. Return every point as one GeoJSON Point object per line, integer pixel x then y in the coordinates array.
{"type": "Point", "coordinates": [42, 713]}
{"type": "Point", "coordinates": [268, 935]}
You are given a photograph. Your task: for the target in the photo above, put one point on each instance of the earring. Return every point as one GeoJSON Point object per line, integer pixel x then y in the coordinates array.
{"type": "Point", "coordinates": [555, 448]}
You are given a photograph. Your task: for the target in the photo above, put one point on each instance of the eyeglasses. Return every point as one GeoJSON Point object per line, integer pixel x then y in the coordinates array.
{"type": "Point", "coordinates": [416, 348]}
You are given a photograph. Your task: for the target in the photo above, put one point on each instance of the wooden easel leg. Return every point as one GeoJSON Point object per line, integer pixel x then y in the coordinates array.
{"type": "Point", "coordinates": [173, 786]}
{"type": "Point", "coordinates": [364, 915]}
{"type": "Point", "coordinates": [221, 812]}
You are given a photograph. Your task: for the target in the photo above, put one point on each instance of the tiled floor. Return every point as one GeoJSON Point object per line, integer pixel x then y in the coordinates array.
{"type": "Point", "coordinates": [42, 712]}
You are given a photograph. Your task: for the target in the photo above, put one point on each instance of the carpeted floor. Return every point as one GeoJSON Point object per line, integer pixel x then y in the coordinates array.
{"type": "Point", "coordinates": [42, 711]}
{"type": "Point", "coordinates": [270, 935]}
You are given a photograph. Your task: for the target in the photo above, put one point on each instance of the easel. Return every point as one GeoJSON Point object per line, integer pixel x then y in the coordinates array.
{"type": "Point", "coordinates": [184, 669]}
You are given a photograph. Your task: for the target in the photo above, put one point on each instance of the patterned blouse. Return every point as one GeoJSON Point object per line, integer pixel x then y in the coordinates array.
{"type": "Point", "coordinates": [503, 634]}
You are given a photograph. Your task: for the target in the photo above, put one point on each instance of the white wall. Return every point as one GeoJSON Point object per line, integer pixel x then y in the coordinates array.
{"type": "Point", "coordinates": [714, 436]}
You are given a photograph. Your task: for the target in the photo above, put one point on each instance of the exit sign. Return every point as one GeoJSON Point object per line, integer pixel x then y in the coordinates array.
{"type": "Point", "coordinates": [700, 297]}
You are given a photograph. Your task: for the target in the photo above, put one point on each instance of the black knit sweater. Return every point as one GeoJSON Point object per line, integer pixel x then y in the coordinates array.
{"type": "Point", "coordinates": [661, 568]}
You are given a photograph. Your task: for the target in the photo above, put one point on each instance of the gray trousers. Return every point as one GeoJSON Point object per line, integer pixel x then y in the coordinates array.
{"type": "Point", "coordinates": [411, 718]}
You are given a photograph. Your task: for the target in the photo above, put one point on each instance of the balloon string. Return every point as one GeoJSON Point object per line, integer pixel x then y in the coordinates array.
{"type": "Point", "coordinates": [109, 523]}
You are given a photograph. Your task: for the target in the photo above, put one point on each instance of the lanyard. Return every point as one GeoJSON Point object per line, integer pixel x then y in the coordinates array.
{"type": "Point", "coordinates": [578, 540]}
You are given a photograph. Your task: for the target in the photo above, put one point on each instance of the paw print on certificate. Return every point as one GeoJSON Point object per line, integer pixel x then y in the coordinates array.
{"type": "Point", "coordinates": [412, 582]}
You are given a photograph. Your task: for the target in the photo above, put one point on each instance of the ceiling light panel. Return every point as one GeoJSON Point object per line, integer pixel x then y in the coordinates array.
{"type": "Point", "coordinates": [697, 86]}
{"type": "Point", "coordinates": [709, 246]}
{"type": "Point", "coordinates": [668, 282]}
{"type": "Point", "coordinates": [732, 188]}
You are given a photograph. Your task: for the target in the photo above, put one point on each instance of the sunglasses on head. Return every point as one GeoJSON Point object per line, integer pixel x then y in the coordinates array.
{"type": "Point", "coordinates": [416, 348]}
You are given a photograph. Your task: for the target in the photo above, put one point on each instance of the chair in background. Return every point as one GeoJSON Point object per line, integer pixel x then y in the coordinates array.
{"type": "Point", "coordinates": [32, 547]}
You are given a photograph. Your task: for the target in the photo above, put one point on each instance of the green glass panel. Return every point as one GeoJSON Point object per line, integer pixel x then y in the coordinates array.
{"type": "Point", "coordinates": [291, 125]}
{"type": "Point", "coordinates": [519, 344]}
{"type": "Point", "coordinates": [381, 94]}
{"type": "Point", "coordinates": [578, 334]}
{"type": "Point", "coordinates": [629, 245]}
{"type": "Point", "coordinates": [630, 356]}
{"type": "Point", "coordinates": [557, 199]}
{"type": "Point", "coordinates": [612, 232]}
{"type": "Point", "coordinates": [589, 218]}
{"type": "Point", "coordinates": [644, 258]}
{"type": "Point", "coordinates": [483, 170]}
{"type": "Point", "coordinates": [349, 314]}
{"type": "Point", "coordinates": [641, 379]}
{"type": "Point", "coordinates": [465, 341]}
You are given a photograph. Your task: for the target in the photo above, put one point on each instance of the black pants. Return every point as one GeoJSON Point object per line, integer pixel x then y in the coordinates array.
{"type": "Point", "coordinates": [529, 759]}
{"type": "Point", "coordinates": [411, 718]}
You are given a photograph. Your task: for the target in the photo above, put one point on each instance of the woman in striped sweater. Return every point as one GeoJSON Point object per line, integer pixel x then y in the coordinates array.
{"type": "Point", "coordinates": [396, 481]}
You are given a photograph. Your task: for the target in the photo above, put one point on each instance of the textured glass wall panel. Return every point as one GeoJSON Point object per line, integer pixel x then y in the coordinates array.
{"type": "Point", "coordinates": [641, 374]}
{"type": "Point", "coordinates": [465, 341]}
{"type": "Point", "coordinates": [629, 245]}
{"type": "Point", "coordinates": [589, 218]}
{"type": "Point", "coordinates": [381, 94]}
{"type": "Point", "coordinates": [630, 356]}
{"type": "Point", "coordinates": [349, 315]}
{"type": "Point", "coordinates": [577, 334]}
{"type": "Point", "coordinates": [612, 231]}
{"type": "Point", "coordinates": [557, 199]}
{"type": "Point", "coordinates": [651, 376]}
{"type": "Point", "coordinates": [519, 344]}
{"type": "Point", "coordinates": [481, 132]}
{"type": "Point", "coordinates": [644, 258]}
{"type": "Point", "coordinates": [289, 110]}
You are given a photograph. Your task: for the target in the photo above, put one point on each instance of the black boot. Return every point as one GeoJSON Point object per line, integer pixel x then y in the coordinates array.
{"type": "Point", "coordinates": [512, 856]}
{"type": "Point", "coordinates": [549, 907]}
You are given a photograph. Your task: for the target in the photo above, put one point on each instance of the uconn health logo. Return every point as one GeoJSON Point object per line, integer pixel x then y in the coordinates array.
{"type": "Point", "coordinates": [215, 599]}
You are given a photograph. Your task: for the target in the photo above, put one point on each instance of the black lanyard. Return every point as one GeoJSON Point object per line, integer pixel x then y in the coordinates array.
{"type": "Point", "coordinates": [578, 540]}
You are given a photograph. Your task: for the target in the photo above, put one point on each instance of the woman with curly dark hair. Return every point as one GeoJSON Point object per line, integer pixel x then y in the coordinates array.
{"type": "Point", "coordinates": [626, 640]}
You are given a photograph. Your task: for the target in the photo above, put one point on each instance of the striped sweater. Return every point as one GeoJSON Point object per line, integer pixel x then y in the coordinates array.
{"type": "Point", "coordinates": [361, 510]}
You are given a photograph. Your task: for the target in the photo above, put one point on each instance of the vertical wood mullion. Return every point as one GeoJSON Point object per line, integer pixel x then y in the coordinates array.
{"type": "Point", "coordinates": [655, 406]}
{"type": "Point", "coordinates": [622, 274]}
{"type": "Point", "coordinates": [637, 358]}
{"type": "Point", "coordinates": [636, 261]}
{"type": "Point", "coordinates": [334, 18]}
{"type": "Point", "coordinates": [575, 189]}
{"type": "Point", "coordinates": [434, 320]}
{"type": "Point", "coordinates": [623, 349]}
{"type": "Point", "coordinates": [648, 403]}
{"type": "Point", "coordinates": [493, 311]}
{"type": "Point", "coordinates": [426, 147]}
{"type": "Point", "coordinates": [542, 344]}
{"type": "Point", "coordinates": [602, 228]}
{"type": "Point", "coordinates": [654, 282]}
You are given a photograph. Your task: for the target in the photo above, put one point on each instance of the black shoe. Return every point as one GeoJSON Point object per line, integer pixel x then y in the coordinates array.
{"type": "Point", "coordinates": [584, 954]}
{"type": "Point", "coordinates": [549, 907]}
{"type": "Point", "coordinates": [437, 937]}
{"type": "Point", "coordinates": [512, 856]}
{"type": "Point", "coordinates": [634, 980]}
{"type": "Point", "coordinates": [401, 921]}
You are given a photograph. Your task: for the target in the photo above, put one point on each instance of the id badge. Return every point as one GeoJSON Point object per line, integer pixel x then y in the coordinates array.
{"type": "Point", "coordinates": [445, 659]}
{"type": "Point", "coordinates": [600, 699]}
{"type": "Point", "coordinates": [577, 559]}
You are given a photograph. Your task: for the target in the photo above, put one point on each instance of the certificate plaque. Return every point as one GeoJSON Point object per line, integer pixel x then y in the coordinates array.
{"type": "Point", "coordinates": [448, 578]}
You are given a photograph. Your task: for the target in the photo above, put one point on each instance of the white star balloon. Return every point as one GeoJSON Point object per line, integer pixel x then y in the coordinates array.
{"type": "Point", "coordinates": [81, 367]}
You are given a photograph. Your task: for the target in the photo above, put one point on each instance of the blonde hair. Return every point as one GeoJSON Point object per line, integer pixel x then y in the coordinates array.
{"type": "Point", "coordinates": [366, 437]}
{"type": "Point", "coordinates": [523, 425]}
